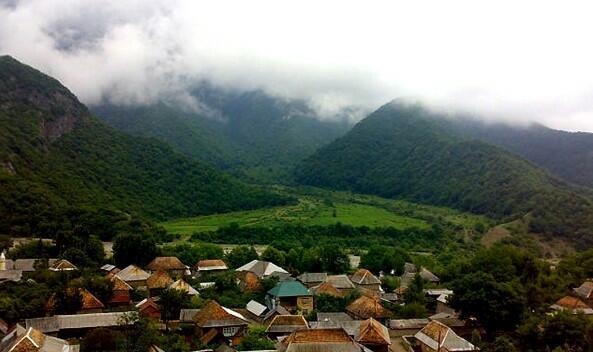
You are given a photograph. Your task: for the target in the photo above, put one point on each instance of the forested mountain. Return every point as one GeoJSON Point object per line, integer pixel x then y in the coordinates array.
{"type": "Point", "coordinates": [56, 157]}
{"type": "Point", "coordinates": [250, 134]}
{"type": "Point", "coordinates": [566, 154]}
{"type": "Point", "coordinates": [406, 151]}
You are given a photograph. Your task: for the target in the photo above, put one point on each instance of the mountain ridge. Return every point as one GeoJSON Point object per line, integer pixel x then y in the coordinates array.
{"type": "Point", "coordinates": [56, 156]}
{"type": "Point", "coordinates": [403, 151]}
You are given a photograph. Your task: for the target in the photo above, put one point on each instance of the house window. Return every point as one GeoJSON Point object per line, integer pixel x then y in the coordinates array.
{"type": "Point", "coordinates": [230, 331]}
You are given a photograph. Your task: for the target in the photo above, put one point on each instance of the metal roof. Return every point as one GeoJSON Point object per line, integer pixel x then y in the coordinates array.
{"type": "Point", "coordinates": [289, 289]}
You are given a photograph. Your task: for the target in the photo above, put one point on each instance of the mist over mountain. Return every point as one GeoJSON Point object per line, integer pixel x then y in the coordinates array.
{"type": "Point", "coordinates": [566, 154]}
{"type": "Point", "coordinates": [55, 157]}
{"type": "Point", "coordinates": [250, 134]}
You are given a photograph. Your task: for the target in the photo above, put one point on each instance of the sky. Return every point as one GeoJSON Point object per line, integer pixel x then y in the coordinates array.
{"type": "Point", "coordinates": [513, 61]}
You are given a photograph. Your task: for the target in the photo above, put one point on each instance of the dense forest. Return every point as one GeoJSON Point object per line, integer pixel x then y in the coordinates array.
{"type": "Point", "coordinates": [403, 151]}
{"type": "Point", "coordinates": [566, 154]}
{"type": "Point", "coordinates": [249, 134]}
{"type": "Point", "coordinates": [56, 159]}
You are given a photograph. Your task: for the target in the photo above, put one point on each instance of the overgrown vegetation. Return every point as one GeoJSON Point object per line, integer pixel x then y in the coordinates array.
{"type": "Point", "coordinates": [57, 160]}
{"type": "Point", "coordinates": [400, 151]}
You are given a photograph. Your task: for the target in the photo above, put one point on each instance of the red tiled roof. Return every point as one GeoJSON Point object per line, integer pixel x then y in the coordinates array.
{"type": "Point", "coordinates": [326, 288]}
{"type": "Point", "coordinates": [367, 307]}
{"type": "Point", "coordinates": [289, 320]}
{"type": "Point", "coordinates": [213, 314]}
{"type": "Point", "coordinates": [317, 336]}
{"type": "Point", "coordinates": [165, 263]}
{"type": "Point", "coordinates": [373, 332]}
{"type": "Point", "coordinates": [210, 262]}
{"type": "Point", "coordinates": [570, 302]}
{"type": "Point", "coordinates": [364, 277]}
{"type": "Point", "coordinates": [159, 279]}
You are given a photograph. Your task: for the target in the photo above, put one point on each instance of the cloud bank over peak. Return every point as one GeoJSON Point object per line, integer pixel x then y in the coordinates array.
{"type": "Point", "coordinates": [511, 61]}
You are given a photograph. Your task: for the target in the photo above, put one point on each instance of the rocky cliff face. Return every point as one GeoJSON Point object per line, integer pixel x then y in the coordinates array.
{"type": "Point", "coordinates": [58, 111]}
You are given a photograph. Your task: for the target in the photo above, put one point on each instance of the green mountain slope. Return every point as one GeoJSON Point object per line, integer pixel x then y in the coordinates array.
{"type": "Point", "coordinates": [566, 154]}
{"type": "Point", "coordinates": [54, 156]}
{"type": "Point", "coordinates": [403, 151]}
{"type": "Point", "coordinates": [252, 135]}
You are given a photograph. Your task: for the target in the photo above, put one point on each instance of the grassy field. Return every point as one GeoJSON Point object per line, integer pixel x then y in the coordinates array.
{"type": "Point", "coordinates": [319, 207]}
{"type": "Point", "coordinates": [308, 211]}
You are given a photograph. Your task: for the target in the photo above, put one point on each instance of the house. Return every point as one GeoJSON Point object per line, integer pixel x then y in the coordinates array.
{"type": "Point", "coordinates": [292, 295]}
{"type": "Point", "coordinates": [441, 297]}
{"type": "Point", "coordinates": [109, 269]}
{"type": "Point", "coordinates": [365, 279]}
{"type": "Point", "coordinates": [270, 314]}
{"type": "Point", "coordinates": [283, 325]}
{"type": "Point", "coordinates": [186, 315]}
{"type": "Point", "coordinates": [325, 288]}
{"type": "Point", "coordinates": [326, 340]}
{"type": "Point", "coordinates": [210, 266]}
{"type": "Point", "coordinates": [121, 292]}
{"type": "Point", "coordinates": [573, 305]}
{"type": "Point", "coordinates": [373, 335]}
{"type": "Point", "coordinates": [217, 324]}
{"type": "Point", "coordinates": [248, 281]}
{"type": "Point", "coordinates": [31, 340]}
{"type": "Point", "coordinates": [585, 292]}
{"type": "Point", "coordinates": [89, 303]}
{"type": "Point", "coordinates": [172, 265]}
{"type": "Point", "coordinates": [134, 276]}
{"type": "Point", "coordinates": [342, 283]}
{"type": "Point", "coordinates": [390, 297]}
{"type": "Point", "coordinates": [157, 282]}
{"type": "Point", "coordinates": [148, 308]}
{"type": "Point", "coordinates": [312, 279]}
{"type": "Point", "coordinates": [410, 271]}
{"type": "Point", "coordinates": [262, 268]}
{"type": "Point", "coordinates": [406, 327]}
{"type": "Point", "coordinates": [366, 307]}
{"type": "Point", "coordinates": [11, 275]}
{"type": "Point", "coordinates": [439, 337]}
{"type": "Point", "coordinates": [76, 325]}
{"type": "Point", "coordinates": [333, 316]}
{"type": "Point", "coordinates": [24, 265]}
{"type": "Point", "coordinates": [62, 265]}
{"type": "Point", "coordinates": [463, 328]}
{"type": "Point", "coordinates": [256, 309]}
{"type": "Point", "coordinates": [370, 333]}
{"type": "Point", "coordinates": [181, 285]}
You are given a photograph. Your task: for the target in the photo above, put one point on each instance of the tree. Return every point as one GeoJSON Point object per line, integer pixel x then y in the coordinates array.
{"type": "Point", "coordinates": [501, 344]}
{"type": "Point", "coordinates": [415, 291]}
{"type": "Point", "coordinates": [138, 334]}
{"type": "Point", "coordinates": [386, 259]}
{"type": "Point", "coordinates": [99, 340]}
{"type": "Point", "coordinates": [255, 339]}
{"type": "Point", "coordinates": [191, 253]}
{"type": "Point", "coordinates": [133, 249]}
{"type": "Point", "coordinates": [171, 301]}
{"type": "Point", "coordinates": [241, 255]}
{"type": "Point", "coordinates": [274, 255]}
{"type": "Point", "coordinates": [497, 305]}
{"type": "Point", "coordinates": [333, 259]}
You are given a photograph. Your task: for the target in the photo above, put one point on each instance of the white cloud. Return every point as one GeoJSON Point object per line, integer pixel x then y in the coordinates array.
{"type": "Point", "coordinates": [517, 61]}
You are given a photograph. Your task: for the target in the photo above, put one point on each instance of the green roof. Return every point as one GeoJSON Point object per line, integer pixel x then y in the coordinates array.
{"type": "Point", "coordinates": [289, 289]}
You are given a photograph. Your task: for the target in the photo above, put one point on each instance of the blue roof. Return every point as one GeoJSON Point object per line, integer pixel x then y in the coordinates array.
{"type": "Point", "coordinates": [289, 289]}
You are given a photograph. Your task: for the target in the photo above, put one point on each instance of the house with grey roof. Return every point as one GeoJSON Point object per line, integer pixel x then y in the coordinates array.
{"type": "Point", "coordinates": [76, 325]}
{"type": "Point", "coordinates": [262, 268]}
{"type": "Point", "coordinates": [312, 279]}
{"type": "Point", "coordinates": [342, 283]}
{"type": "Point", "coordinates": [436, 336]}
{"type": "Point", "coordinates": [28, 339]}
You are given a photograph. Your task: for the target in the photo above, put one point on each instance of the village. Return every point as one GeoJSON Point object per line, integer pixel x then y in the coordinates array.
{"type": "Point", "coordinates": [286, 315]}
